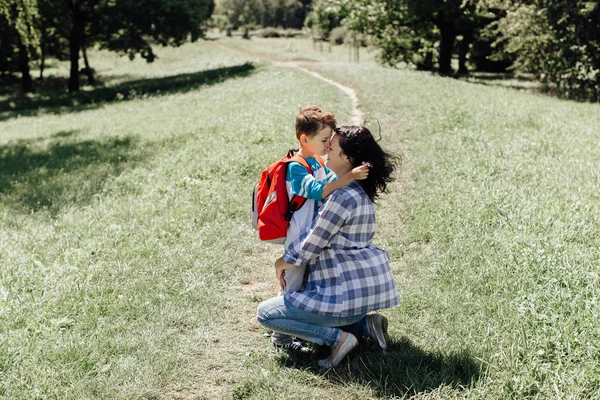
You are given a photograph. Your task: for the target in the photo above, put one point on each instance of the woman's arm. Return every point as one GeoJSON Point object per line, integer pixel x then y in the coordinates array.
{"type": "Point", "coordinates": [332, 216]}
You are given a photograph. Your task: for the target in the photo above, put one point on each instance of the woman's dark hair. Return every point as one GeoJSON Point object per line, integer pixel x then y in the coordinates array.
{"type": "Point", "coordinates": [360, 146]}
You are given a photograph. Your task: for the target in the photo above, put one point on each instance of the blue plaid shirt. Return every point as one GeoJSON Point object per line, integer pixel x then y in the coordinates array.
{"type": "Point", "coordinates": [347, 275]}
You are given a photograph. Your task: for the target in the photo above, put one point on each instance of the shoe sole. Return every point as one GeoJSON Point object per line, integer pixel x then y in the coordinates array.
{"type": "Point", "coordinates": [386, 337]}
{"type": "Point", "coordinates": [382, 342]}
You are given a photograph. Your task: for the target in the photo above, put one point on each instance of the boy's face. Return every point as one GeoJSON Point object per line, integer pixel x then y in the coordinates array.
{"type": "Point", "coordinates": [319, 143]}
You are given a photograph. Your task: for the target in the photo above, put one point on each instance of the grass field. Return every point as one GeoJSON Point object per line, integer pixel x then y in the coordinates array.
{"type": "Point", "coordinates": [129, 270]}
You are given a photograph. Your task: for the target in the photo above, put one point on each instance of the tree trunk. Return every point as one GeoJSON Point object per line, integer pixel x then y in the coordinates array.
{"type": "Point", "coordinates": [74, 47]}
{"type": "Point", "coordinates": [42, 60]}
{"type": "Point", "coordinates": [27, 83]}
{"type": "Point", "coordinates": [88, 70]}
{"type": "Point", "coordinates": [463, 51]}
{"type": "Point", "coordinates": [448, 36]}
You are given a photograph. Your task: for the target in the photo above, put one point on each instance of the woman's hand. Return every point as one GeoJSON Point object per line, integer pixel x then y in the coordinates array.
{"type": "Point", "coordinates": [361, 172]}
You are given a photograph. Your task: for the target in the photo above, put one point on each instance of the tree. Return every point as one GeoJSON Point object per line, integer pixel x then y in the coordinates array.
{"type": "Point", "coordinates": [125, 26]}
{"type": "Point", "coordinates": [244, 13]}
{"type": "Point", "coordinates": [20, 38]}
{"type": "Point", "coordinates": [284, 13]}
{"type": "Point", "coordinates": [418, 32]}
{"type": "Point", "coordinates": [558, 42]}
{"type": "Point", "coordinates": [325, 15]}
{"type": "Point", "coordinates": [53, 26]}
{"type": "Point", "coordinates": [428, 22]}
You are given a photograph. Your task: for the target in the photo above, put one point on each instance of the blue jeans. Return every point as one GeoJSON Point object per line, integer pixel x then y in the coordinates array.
{"type": "Point", "coordinates": [281, 316]}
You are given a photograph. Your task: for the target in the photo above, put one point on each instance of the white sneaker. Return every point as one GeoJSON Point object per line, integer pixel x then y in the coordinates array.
{"type": "Point", "coordinates": [294, 346]}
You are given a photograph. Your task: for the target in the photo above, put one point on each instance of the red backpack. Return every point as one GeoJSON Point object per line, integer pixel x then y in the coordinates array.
{"type": "Point", "coordinates": [272, 210]}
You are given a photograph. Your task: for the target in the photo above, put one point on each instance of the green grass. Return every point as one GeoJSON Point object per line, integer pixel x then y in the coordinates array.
{"type": "Point", "coordinates": [300, 49]}
{"type": "Point", "coordinates": [125, 240]}
{"type": "Point", "coordinates": [128, 268]}
{"type": "Point", "coordinates": [501, 216]}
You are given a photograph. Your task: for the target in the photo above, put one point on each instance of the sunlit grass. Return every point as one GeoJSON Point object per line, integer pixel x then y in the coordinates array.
{"type": "Point", "coordinates": [112, 68]}
{"type": "Point", "coordinates": [300, 49]}
{"type": "Point", "coordinates": [125, 239]}
{"type": "Point", "coordinates": [501, 215]}
{"type": "Point", "coordinates": [128, 268]}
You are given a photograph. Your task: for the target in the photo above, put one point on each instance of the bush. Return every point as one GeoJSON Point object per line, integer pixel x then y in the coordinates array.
{"type": "Point", "coordinates": [269, 33]}
{"type": "Point", "coordinates": [338, 35]}
{"type": "Point", "coordinates": [557, 43]}
{"type": "Point", "coordinates": [289, 33]}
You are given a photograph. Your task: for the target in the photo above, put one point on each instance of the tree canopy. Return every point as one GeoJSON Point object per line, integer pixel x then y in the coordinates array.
{"type": "Point", "coordinates": [19, 37]}
{"type": "Point", "coordinates": [35, 29]}
{"type": "Point", "coordinates": [264, 13]}
{"type": "Point", "coordinates": [558, 41]}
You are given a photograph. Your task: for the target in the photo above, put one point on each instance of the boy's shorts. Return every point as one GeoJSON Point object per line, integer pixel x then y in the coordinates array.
{"type": "Point", "coordinates": [293, 279]}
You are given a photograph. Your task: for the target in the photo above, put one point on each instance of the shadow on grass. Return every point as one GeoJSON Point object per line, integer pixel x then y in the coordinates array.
{"type": "Point", "coordinates": [34, 177]}
{"type": "Point", "coordinates": [404, 370]}
{"type": "Point", "coordinates": [58, 101]}
{"type": "Point", "coordinates": [507, 80]}
{"type": "Point", "coordinates": [499, 76]}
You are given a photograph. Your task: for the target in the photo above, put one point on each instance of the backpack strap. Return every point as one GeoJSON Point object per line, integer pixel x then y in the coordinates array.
{"type": "Point", "coordinates": [301, 161]}
{"type": "Point", "coordinates": [296, 202]}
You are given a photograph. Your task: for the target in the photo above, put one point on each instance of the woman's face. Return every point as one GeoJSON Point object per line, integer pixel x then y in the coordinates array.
{"type": "Point", "coordinates": [336, 159]}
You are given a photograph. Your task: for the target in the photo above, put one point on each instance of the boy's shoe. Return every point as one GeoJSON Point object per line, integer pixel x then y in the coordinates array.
{"type": "Point", "coordinates": [294, 345]}
{"type": "Point", "coordinates": [378, 326]}
{"type": "Point", "coordinates": [345, 347]}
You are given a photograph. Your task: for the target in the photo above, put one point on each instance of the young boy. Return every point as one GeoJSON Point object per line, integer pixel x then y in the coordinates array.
{"type": "Point", "coordinates": [314, 128]}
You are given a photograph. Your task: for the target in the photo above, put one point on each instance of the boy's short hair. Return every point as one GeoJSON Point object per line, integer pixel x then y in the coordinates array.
{"type": "Point", "coordinates": [312, 119]}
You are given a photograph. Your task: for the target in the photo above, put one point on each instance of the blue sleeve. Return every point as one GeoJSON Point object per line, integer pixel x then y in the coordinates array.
{"type": "Point", "coordinates": [303, 183]}
{"type": "Point", "coordinates": [330, 176]}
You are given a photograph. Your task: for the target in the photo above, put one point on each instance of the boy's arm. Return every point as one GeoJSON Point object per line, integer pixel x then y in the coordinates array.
{"type": "Point", "coordinates": [303, 183]}
{"type": "Point", "coordinates": [330, 176]}
{"type": "Point", "coordinates": [359, 173]}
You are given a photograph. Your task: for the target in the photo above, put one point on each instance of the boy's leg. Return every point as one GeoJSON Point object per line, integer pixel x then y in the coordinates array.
{"type": "Point", "coordinates": [293, 282]}
{"type": "Point", "coordinates": [280, 339]}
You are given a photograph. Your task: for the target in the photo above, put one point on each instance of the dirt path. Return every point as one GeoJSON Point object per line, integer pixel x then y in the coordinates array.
{"type": "Point", "coordinates": [356, 115]}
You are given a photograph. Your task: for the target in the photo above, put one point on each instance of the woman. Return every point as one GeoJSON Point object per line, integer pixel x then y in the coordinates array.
{"type": "Point", "coordinates": [347, 275]}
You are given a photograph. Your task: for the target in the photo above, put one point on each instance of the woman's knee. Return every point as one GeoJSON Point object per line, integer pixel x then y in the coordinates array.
{"type": "Point", "coordinates": [265, 310]}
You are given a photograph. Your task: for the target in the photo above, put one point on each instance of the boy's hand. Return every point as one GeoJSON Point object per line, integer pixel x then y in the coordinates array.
{"type": "Point", "coordinates": [280, 267]}
{"type": "Point", "coordinates": [362, 172]}
{"type": "Point", "coordinates": [281, 278]}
